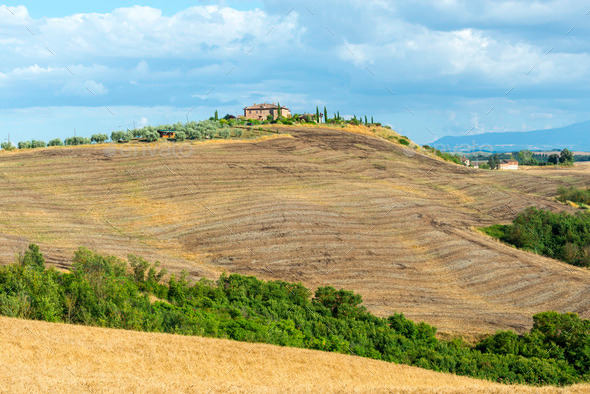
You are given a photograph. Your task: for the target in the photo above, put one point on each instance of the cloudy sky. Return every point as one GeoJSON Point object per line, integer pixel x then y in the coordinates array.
{"type": "Point", "coordinates": [428, 69]}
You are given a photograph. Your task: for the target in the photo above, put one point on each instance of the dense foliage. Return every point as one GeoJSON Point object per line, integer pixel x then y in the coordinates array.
{"type": "Point", "coordinates": [7, 146]}
{"type": "Point", "coordinates": [31, 144]}
{"type": "Point", "coordinates": [574, 194]}
{"type": "Point", "coordinates": [77, 141]}
{"type": "Point", "coordinates": [55, 142]}
{"type": "Point", "coordinates": [558, 235]}
{"type": "Point", "coordinates": [104, 291]}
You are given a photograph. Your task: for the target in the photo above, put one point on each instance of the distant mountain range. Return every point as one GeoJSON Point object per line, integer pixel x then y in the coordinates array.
{"type": "Point", "coordinates": [574, 137]}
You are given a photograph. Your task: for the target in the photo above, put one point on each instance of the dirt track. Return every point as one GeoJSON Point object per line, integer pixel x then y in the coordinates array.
{"type": "Point", "coordinates": [325, 207]}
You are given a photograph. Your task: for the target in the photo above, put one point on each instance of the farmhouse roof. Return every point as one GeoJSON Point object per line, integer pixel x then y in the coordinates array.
{"type": "Point", "coordinates": [265, 106]}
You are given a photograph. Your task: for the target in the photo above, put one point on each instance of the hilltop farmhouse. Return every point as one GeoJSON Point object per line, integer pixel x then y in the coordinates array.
{"type": "Point", "coordinates": [261, 111]}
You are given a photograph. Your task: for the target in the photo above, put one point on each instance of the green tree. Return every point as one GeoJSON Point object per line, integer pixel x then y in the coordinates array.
{"type": "Point", "coordinates": [119, 136]}
{"type": "Point", "coordinates": [7, 146]}
{"type": "Point", "coordinates": [33, 257]}
{"type": "Point", "coordinates": [525, 156]}
{"type": "Point", "coordinates": [99, 138]}
{"type": "Point", "coordinates": [325, 114]}
{"type": "Point", "coordinates": [180, 135]}
{"type": "Point", "coordinates": [317, 114]}
{"type": "Point", "coordinates": [55, 142]}
{"type": "Point", "coordinates": [24, 145]}
{"type": "Point", "coordinates": [77, 141]}
{"type": "Point", "coordinates": [553, 158]}
{"type": "Point", "coordinates": [151, 135]}
{"type": "Point", "coordinates": [216, 117]}
{"type": "Point", "coordinates": [494, 161]}
{"type": "Point", "coordinates": [38, 144]}
{"type": "Point", "coordinates": [279, 113]}
{"type": "Point", "coordinates": [566, 156]}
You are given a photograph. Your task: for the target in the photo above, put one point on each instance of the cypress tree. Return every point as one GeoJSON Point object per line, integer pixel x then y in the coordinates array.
{"type": "Point", "coordinates": [372, 122]}
{"type": "Point", "coordinates": [325, 114]}
{"type": "Point", "coordinates": [317, 113]}
{"type": "Point", "coordinates": [216, 115]}
{"type": "Point", "coordinates": [279, 111]}
{"type": "Point", "coordinates": [366, 121]}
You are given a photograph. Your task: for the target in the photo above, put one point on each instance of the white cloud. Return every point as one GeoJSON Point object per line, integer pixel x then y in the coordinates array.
{"type": "Point", "coordinates": [14, 15]}
{"type": "Point", "coordinates": [145, 33]}
{"type": "Point", "coordinates": [82, 89]}
{"type": "Point", "coordinates": [143, 122]}
{"type": "Point", "coordinates": [418, 53]}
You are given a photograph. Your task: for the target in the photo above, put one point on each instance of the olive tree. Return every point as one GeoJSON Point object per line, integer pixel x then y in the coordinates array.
{"type": "Point", "coordinates": [7, 146]}
{"type": "Point", "coordinates": [99, 138]}
{"type": "Point", "coordinates": [120, 136]}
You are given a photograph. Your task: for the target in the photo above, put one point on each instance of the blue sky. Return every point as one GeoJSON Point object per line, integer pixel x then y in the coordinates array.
{"type": "Point", "coordinates": [427, 68]}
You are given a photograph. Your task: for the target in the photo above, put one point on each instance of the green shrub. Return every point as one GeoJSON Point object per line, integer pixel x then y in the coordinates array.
{"type": "Point", "coordinates": [99, 138]}
{"type": "Point", "coordinates": [77, 141]}
{"type": "Point", "coordinates": [120, 136]}
{"type": "Point", "coordinates": [561, 236]}
{"type": "Point", "coordinates": [404, 141]}
{"type": "Point", "coordinates": [7, 146]}
{"type": "Point", "coordinates": [181, 135]}
{"type": "Point", "coordinates": [497, 231]}
{"type": "Point", "coordinates": [55, 142]}
{"type": "Point", "coordinates": [574, 194]}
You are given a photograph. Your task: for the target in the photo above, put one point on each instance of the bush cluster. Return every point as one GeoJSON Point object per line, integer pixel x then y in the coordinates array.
{"type": "Point", "coordinates": [105, 291]}
{"type": "Point", "coordinates": [31, 144]}
{"type": "Point", "coordinates": [561, 236]}
{"type": "Point", "coordinates": [574, 194]}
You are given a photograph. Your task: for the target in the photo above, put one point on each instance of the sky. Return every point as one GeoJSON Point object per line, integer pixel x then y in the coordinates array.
{"type": "Point", "coordinates": [428, 68]}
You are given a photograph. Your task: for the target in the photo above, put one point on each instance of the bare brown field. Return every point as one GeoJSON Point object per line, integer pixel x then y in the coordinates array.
{"type": "Point", "coordinates": [323, 207]}
{"type": "Point", "coordinates": [66, 358]}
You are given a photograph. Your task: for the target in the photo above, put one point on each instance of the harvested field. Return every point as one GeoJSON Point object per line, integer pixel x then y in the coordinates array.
{"type": "Point", "coordinates": [67, 358]}
{"type": "Point", "coordinates": [324, 206]}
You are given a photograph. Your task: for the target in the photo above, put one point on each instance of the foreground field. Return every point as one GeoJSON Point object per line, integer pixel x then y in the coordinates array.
{"type": "Point", "coordinates": [324, 207]}
{"type": "Point", "coordinates": [67, 358]}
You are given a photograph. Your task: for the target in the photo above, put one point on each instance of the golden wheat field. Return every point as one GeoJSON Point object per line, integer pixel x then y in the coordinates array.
{"type": "Point", "coordinates": [321, 206]}
{"type": "Point", "coordinates": [49, 357]}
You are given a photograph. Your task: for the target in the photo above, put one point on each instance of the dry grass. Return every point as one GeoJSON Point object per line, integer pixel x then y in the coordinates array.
{"type": "Point", "coordinates": [327, 206]}
{"type": "Point", "coordinates": [66, 358]}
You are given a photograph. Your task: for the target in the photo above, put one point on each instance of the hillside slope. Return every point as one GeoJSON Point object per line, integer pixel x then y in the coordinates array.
{"type": "Point", "coordinates": [324, 207]}
{"type": "Point", "coordinates": [75, 358]}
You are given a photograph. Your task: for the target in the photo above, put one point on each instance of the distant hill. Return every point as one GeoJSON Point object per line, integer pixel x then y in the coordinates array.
{"type": "Point", "coordinates": [573, 137]}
